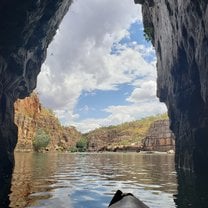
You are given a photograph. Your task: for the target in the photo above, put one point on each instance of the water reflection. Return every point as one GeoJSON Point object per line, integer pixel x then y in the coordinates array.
{"type": "Point", "coordinates": [192, 190]}
{"type": "Point", "coordinates": [31, 177]}
{"type": "Point", "coordinates": [90, 180]}
{"type": "Point", "coordinates": [5, 186]}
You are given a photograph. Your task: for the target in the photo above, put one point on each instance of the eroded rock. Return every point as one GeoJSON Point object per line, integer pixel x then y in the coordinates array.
{"type": "Point", "coordinates": [180, 39]}
{"type": "Point", "coordinates": [27, 28]}
{"type": "Point", "coordinates": [159, 137]}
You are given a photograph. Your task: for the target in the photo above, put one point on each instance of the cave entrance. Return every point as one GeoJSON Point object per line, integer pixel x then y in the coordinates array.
{"type": "Point", "coordinates": [101, 67]}
{"type": "Point", "coordinates": [99, 71]}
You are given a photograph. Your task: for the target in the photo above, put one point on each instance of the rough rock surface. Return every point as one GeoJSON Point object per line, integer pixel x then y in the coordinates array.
{"type": "Point", "coordinates": [178, 30]}
{"type": "Point", "coordinates": [30, 116]}
{"type": "Point", "coordinates": [159, 137]}
{"type": "Point", "coordinates": [133, 136]}
{"type": "Point", "coordinates": [27, 27]}
{"type": "Point", "coordinates": [107, 140]}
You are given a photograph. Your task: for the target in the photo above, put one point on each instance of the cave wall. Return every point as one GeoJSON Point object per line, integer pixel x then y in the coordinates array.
{"type": "Point", "coordinates": [27, 28]}
{"type": "Point", "coordinates": [178, 31]}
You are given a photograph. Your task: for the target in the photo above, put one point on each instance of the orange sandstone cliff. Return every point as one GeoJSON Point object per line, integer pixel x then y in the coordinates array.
{"type": "Point", "coordinates": [30, 116]}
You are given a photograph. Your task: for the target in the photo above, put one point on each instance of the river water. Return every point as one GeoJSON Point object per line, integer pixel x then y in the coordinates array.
{"type": "Point", "coordinates": [63, 180]}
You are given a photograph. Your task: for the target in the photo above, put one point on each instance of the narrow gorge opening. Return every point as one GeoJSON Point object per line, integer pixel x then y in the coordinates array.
{"type": "Point", "coordinates": [100, 71]}
{"type": "Point", "coordinates": [104, 70]}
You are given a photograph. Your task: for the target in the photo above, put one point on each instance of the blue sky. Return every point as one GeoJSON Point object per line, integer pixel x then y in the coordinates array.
{"type": "Point", "coordinates": [100, 70]}
{"type": "Point", "coordinates": [92, 104]}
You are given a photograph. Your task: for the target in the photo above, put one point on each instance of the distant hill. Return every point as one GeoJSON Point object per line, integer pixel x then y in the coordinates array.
{"type": "Point", "coordinates": [31, 116]}
{"type": "Point", "coordinates": [127, 135]}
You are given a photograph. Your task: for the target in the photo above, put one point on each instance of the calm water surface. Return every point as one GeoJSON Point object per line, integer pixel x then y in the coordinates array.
{"type": "Point", "coordinates": [58, 180]}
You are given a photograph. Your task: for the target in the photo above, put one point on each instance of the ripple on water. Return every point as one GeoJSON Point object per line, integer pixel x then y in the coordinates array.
{"type": "Point", "coordinates": [76, 181]}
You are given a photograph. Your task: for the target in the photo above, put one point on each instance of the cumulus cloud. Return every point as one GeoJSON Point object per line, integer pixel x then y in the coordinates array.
{"type": "Point", "coordinates": [121, 114]}
{"type": "Point", "coordinates": [80, 55]}
{"type": "Point", "coordinates": [86, 55]}
{"type": "Point", "coordinates": [145, 92]}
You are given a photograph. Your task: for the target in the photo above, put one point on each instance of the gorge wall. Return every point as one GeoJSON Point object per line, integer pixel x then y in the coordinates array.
{"type": "Point", "coordinates": [27, 28]}
{"type": "Point", "coordinates": [31, 116]}
{"type": "Point", "coordinates": [149, 134]}
{"type": "Point", "coordinates": [178, 30]}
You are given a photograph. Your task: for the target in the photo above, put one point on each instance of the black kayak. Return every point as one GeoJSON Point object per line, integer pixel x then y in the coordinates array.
{"type": "Point", "coordinates": [122, 200]}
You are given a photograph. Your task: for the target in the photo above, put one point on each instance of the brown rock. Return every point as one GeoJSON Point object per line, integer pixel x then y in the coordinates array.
{"type": "Point", "coordinates": [30, 116]}
{"type": "Point", "coordinates": [159, 137]}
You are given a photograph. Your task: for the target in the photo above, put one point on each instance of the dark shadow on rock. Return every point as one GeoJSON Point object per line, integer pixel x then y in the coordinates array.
{"type": "Point", "coordinates": [28, 27]}
{"type": "Point", "coordinates": [192, 190]}
{"type": "Point", "coordinates": [5, 187]}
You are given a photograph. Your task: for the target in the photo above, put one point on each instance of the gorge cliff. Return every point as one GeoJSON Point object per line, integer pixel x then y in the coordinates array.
{"type": "Point", "coordinates": [148, 134]}
{"type": "Point", "coordinates": [27, 28]}
{"type": "Point", "coordinates": [178, 31]}
{"type": "Point", "coordinates": [31, 116]}
{"type": "Point", "coordinates": [159, 137]}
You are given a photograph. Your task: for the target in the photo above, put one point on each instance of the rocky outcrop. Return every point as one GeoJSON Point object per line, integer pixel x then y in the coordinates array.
{"type": "Point", "coordinates": [27, 112]}
{"type": "Point", "coordinates": [30, 116]}
{"type": "Point", "coordinates": [107, 139]}
{"type": "Point", "coordinates": [159, 137]}
{"type": "Point", "coordinates": [130, 136]}
{"type": "Point", "coordinates": [178, 31]}
{"type": "Point", "coordinates": [27, 27]}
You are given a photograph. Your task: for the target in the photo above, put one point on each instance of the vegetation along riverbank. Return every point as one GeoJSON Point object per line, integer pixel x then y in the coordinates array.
{"type": "Point", "coordinates": [40, 130]}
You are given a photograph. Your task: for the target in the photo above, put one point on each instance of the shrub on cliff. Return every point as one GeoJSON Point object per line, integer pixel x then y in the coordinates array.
{"type": "Point", "coordinates": [41, 140]}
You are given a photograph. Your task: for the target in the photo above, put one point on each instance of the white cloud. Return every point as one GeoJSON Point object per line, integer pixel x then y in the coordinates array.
{"type": "Point", "coordinates": [80, 56]}
{"type": "Point", "coordinates": [145, 92]}
{"type": "Point", "coordinates": [121, 114]}
{"type": "Point", "coordinates": [80, 59]}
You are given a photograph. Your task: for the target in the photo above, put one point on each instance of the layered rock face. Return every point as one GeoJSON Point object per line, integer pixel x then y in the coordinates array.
{"type": "Point", "coordinates": [27, 112]}
{"type": "Point", "coordinates": [159, 137]}
{"type": "Point", "coordinates": [30, 116]}
{"type": "Point", "coordinates": [27, 27]}
{"type": "Point", "coordinates": [108, 140]}
{"type": "Point", "coordinates": [178, 30]}
{"type": "Point", "coordinates": [147, 135]}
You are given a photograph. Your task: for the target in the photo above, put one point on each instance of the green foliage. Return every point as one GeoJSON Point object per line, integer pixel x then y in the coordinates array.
{"type": "Point", "coordinates": [41, 140]}
{"type": "Point", "coordinates": [149, 33]}
{"type": "Point", "coordinates": [73, 149]}
{"type": "Point", "coordinates": [82, 145]}
{"type": "Point", "coordinates": [132, 132]}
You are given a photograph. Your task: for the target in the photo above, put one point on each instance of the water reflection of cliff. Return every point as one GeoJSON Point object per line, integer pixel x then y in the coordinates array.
{"type": "Point", "coordinates": [192, 190]}
{"type": "Point", "coordinates": [32, 174]}
{"type": "Point", "coordinates": [46, 180]}
{"type": "Point", "coordinates": [55, 179]}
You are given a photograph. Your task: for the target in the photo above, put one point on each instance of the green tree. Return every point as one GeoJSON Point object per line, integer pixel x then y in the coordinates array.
{"type": "Point", "coordinates": [41, 140]}
{"type": "Point", "coordinates": [82, 145]}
